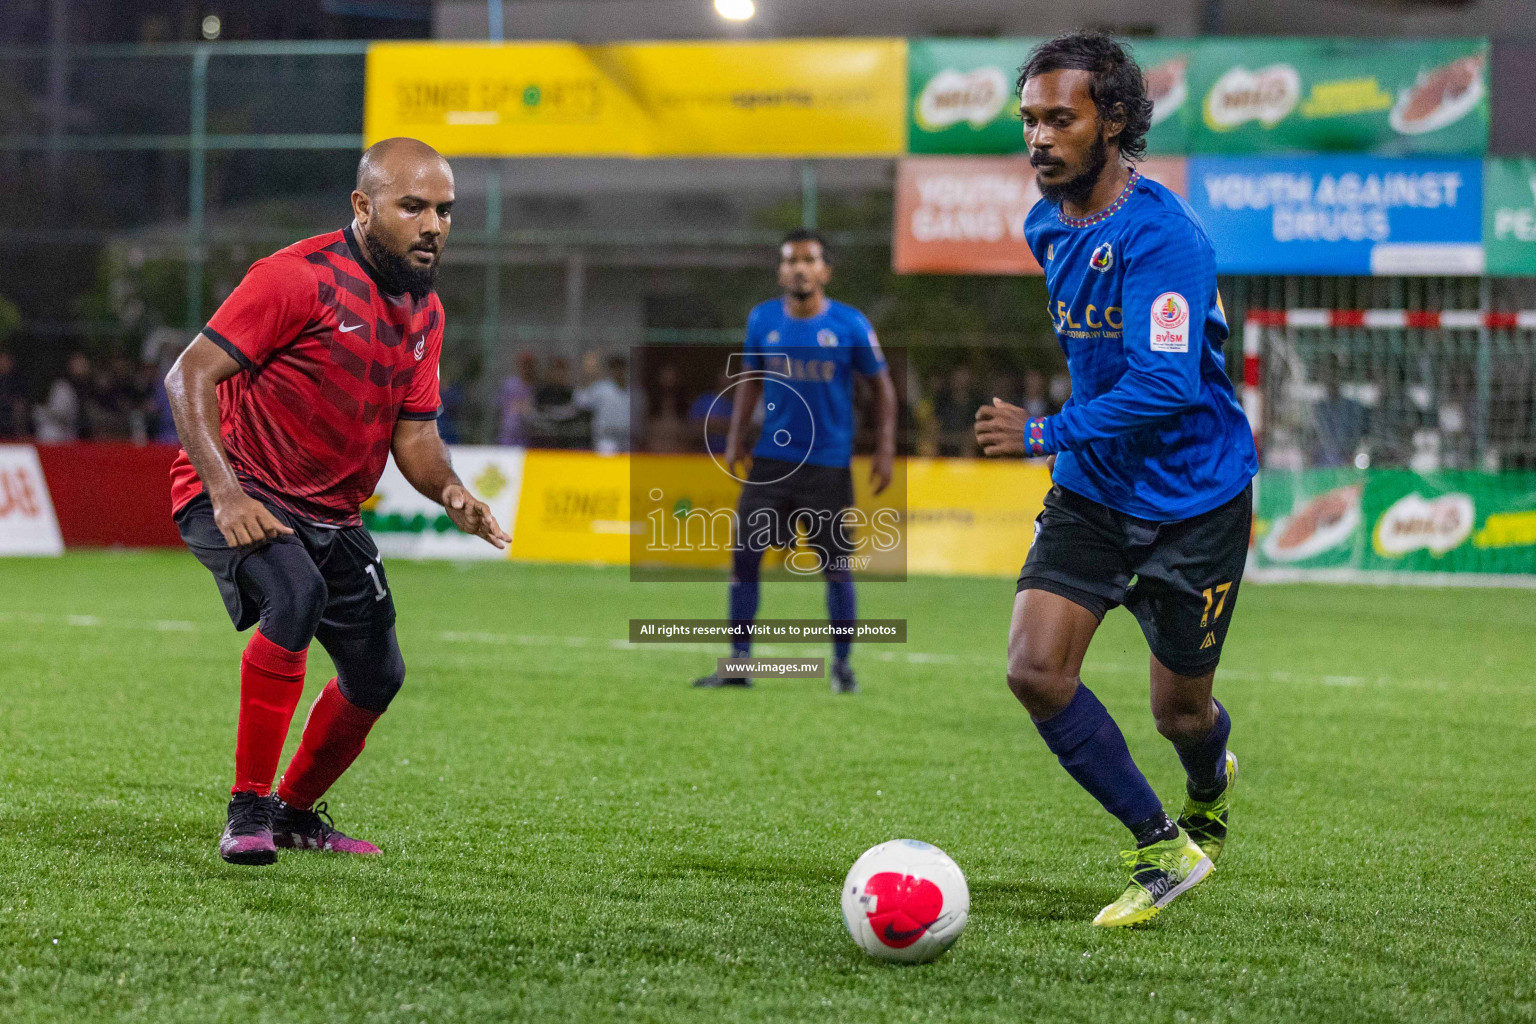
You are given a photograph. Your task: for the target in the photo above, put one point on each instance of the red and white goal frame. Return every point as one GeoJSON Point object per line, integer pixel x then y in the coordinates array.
{"type": "Point", "coordinates": [1257, 320]}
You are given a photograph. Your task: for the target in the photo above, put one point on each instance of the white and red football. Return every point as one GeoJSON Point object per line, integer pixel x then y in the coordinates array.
{"type": "Point", "coordinates": [906, 901]}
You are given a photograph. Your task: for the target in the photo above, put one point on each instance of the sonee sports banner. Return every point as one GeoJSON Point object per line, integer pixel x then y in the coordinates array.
{"type": "Point", "coordinates": [801, 98]}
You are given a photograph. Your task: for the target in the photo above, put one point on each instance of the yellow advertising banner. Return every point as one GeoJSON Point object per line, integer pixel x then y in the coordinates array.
{"type": "Point", "coordinates": [964, 517]}
{"type": "Point", "coordinates": [791, 98]}
{"type": "Point", "coordinates": [969, 517]}
{"type": "Point", "coordinates": [574, 507]}
{"type": "Point", "coordinates": [684, 511]}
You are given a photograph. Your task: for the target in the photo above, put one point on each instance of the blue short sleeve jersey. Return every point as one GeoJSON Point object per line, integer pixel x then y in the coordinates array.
{"type": "Point", "coordinates": [807, 369]}
{"type": "Point", "coordinates": [1153, 428]}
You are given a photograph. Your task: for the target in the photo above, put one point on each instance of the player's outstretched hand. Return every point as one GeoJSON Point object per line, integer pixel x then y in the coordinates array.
{"type": "Point", "coordinates": [473, 516]}
{"type": "Point", "coordinates": [246, 522]}
{"type": "Point", "coordinates": [1000, 428]}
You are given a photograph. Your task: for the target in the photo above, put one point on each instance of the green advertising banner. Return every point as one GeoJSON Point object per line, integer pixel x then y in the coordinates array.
{"type": "Point", "coordinates": [1228, 95]}
{"type": "Point", "coordinates": [1509, 216]}
{"type": "Point", "coordinates": [1396, 521]}
{"type": "Point", "coordinates": [1376, 95]}
{"type": "Point", "coordinates": [962, 97]}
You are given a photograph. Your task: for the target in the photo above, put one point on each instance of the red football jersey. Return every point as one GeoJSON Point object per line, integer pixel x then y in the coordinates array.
{"type": "Point", "coordinates": [330, 362]}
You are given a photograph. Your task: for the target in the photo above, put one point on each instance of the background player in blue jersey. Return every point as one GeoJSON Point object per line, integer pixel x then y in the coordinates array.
{"type": "Point", "coordinates": [804, 349]}
{"type": "Point", "coordinates": [1153, 462]}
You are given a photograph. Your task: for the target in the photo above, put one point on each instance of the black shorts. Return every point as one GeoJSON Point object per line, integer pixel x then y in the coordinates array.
{"type": "Point", "coordinates": [358, 600]}
{"type": "Point", "coordinates": [781, 500]}
{"type": "Point", "coordinates": [1180, 579]}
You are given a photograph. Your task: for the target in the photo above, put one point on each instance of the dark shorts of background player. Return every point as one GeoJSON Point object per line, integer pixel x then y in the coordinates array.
{"type": "Point", "coordinates": [817, 495]}
{"type": "Point", "coordinates": [358, 601]}
{"type": "Point", "coordinates": [1186, 572]}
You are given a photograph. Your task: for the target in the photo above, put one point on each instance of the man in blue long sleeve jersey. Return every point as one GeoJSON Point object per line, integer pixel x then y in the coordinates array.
{"type": "Point", "coordinates": [1153, 464]}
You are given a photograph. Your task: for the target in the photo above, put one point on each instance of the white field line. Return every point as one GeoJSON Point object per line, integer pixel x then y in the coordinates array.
{"type": "Point", "coordinates": [871, 652]}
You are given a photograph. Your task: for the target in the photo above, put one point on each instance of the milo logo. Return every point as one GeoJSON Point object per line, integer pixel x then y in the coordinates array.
{"type": "Point", "coordinates": [951, 96]}
{"type": "Point", "coordinates": [1239, 96]}
{"type": "Point", "coordinates": [1412, 523]}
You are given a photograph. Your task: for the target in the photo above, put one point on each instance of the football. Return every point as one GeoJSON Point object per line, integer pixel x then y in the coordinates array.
{"type": "Point", "coordinates": [905, 901]}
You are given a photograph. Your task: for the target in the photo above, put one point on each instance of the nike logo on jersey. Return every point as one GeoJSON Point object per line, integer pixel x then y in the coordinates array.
{"type": "Point", "coordinates": [345, 329]}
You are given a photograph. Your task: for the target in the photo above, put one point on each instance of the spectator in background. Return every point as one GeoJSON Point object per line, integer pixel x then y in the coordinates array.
{"type": "Point", "coordinates": [607, 400]}
{"type": "Point", "coordinates": [165, 352]}
{"type": "Point", "coordinates": [1061, 389]}
{"type": "Point", "coordinates": [554, 391]}
{"type": "Point", "coordinates": [118, 407]}
{"type": "Point", "coordinates": [1002, 386]}
{"type": "Point", "coordinates": [61, 418]}
{"type": "Point", "coordinates": [1036, 401]}
{"type": "Point", "coordinates": [515, 401]}
{"type": "Point", "coordinates": [450, 418]}
{"type": "Point", "coordinates": [711, 419]}
{"type": "Point", "coordinates": [664, 429]}
{"type": "Point", "coordinates": [13, 400]}
{"type": "Point", "coordinates": [1338, 422]}
{"type": "Point", "coordinates": [98, 402]}
{"type": "Point", "coordinates": [955, 409]}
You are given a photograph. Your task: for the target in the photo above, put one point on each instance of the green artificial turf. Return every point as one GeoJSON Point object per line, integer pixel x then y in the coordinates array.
{"type": "Point", "coordinates": [573, 834]}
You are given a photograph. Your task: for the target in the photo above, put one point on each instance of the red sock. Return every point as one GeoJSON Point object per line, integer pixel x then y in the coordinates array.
{"type": "Point", "coordinates": [333, 737]}
{"type": "Point", "coordinates": [271, 679]}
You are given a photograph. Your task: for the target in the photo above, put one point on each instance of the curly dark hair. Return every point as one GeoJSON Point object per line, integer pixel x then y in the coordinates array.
{"type": "Point", "coordinates": [809, 235]}
{"type": "Point", "coordinates": [1118, 88]}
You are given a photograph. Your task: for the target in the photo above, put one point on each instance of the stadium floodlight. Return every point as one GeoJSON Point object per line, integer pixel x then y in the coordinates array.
{"type": "Point", "coordinates": [735, 10]}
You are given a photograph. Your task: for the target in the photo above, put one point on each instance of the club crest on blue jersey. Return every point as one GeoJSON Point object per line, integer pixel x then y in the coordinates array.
{"type": "Point", "coordinates": [1102, 259]}
{"type": "Point", "coordinates": [808, 406]}
{"type": "Point", "coordinates": [1050, 251]}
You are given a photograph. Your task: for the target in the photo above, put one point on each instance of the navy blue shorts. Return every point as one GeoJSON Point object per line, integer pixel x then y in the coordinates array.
{"type": "Point", "coordinates": [358, 600]}
{"type": "Point", "coordinates": [1179, 579]}
{"type": "Point", "coordinates": [782, 500]}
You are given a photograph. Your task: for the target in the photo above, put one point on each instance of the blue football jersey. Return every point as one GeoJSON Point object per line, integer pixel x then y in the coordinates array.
{"type": "Point", "coordinates": [808, 366]}
{"type": "Point", "coordinates": [1153, 427]}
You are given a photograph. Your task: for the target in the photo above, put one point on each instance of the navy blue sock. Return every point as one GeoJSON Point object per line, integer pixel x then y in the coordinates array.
{"type": "Point", "coordinates": [842, 610]}
{"type": "Point", "coordinates": [745, 592]}
{"type": "Point", "coordinates": [1090, 747]}
{"type": "Point", "coordinates": [1206, 762]}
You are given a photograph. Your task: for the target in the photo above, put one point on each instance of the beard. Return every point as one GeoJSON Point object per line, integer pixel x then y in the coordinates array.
{"type": "Point", "coordinates": [1077, 189]}
{"type": "Point", "coordinates": [398, 273]}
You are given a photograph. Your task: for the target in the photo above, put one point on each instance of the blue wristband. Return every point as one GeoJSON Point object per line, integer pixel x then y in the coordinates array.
{"type": "Point", "coordinates": [1034, 436]}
